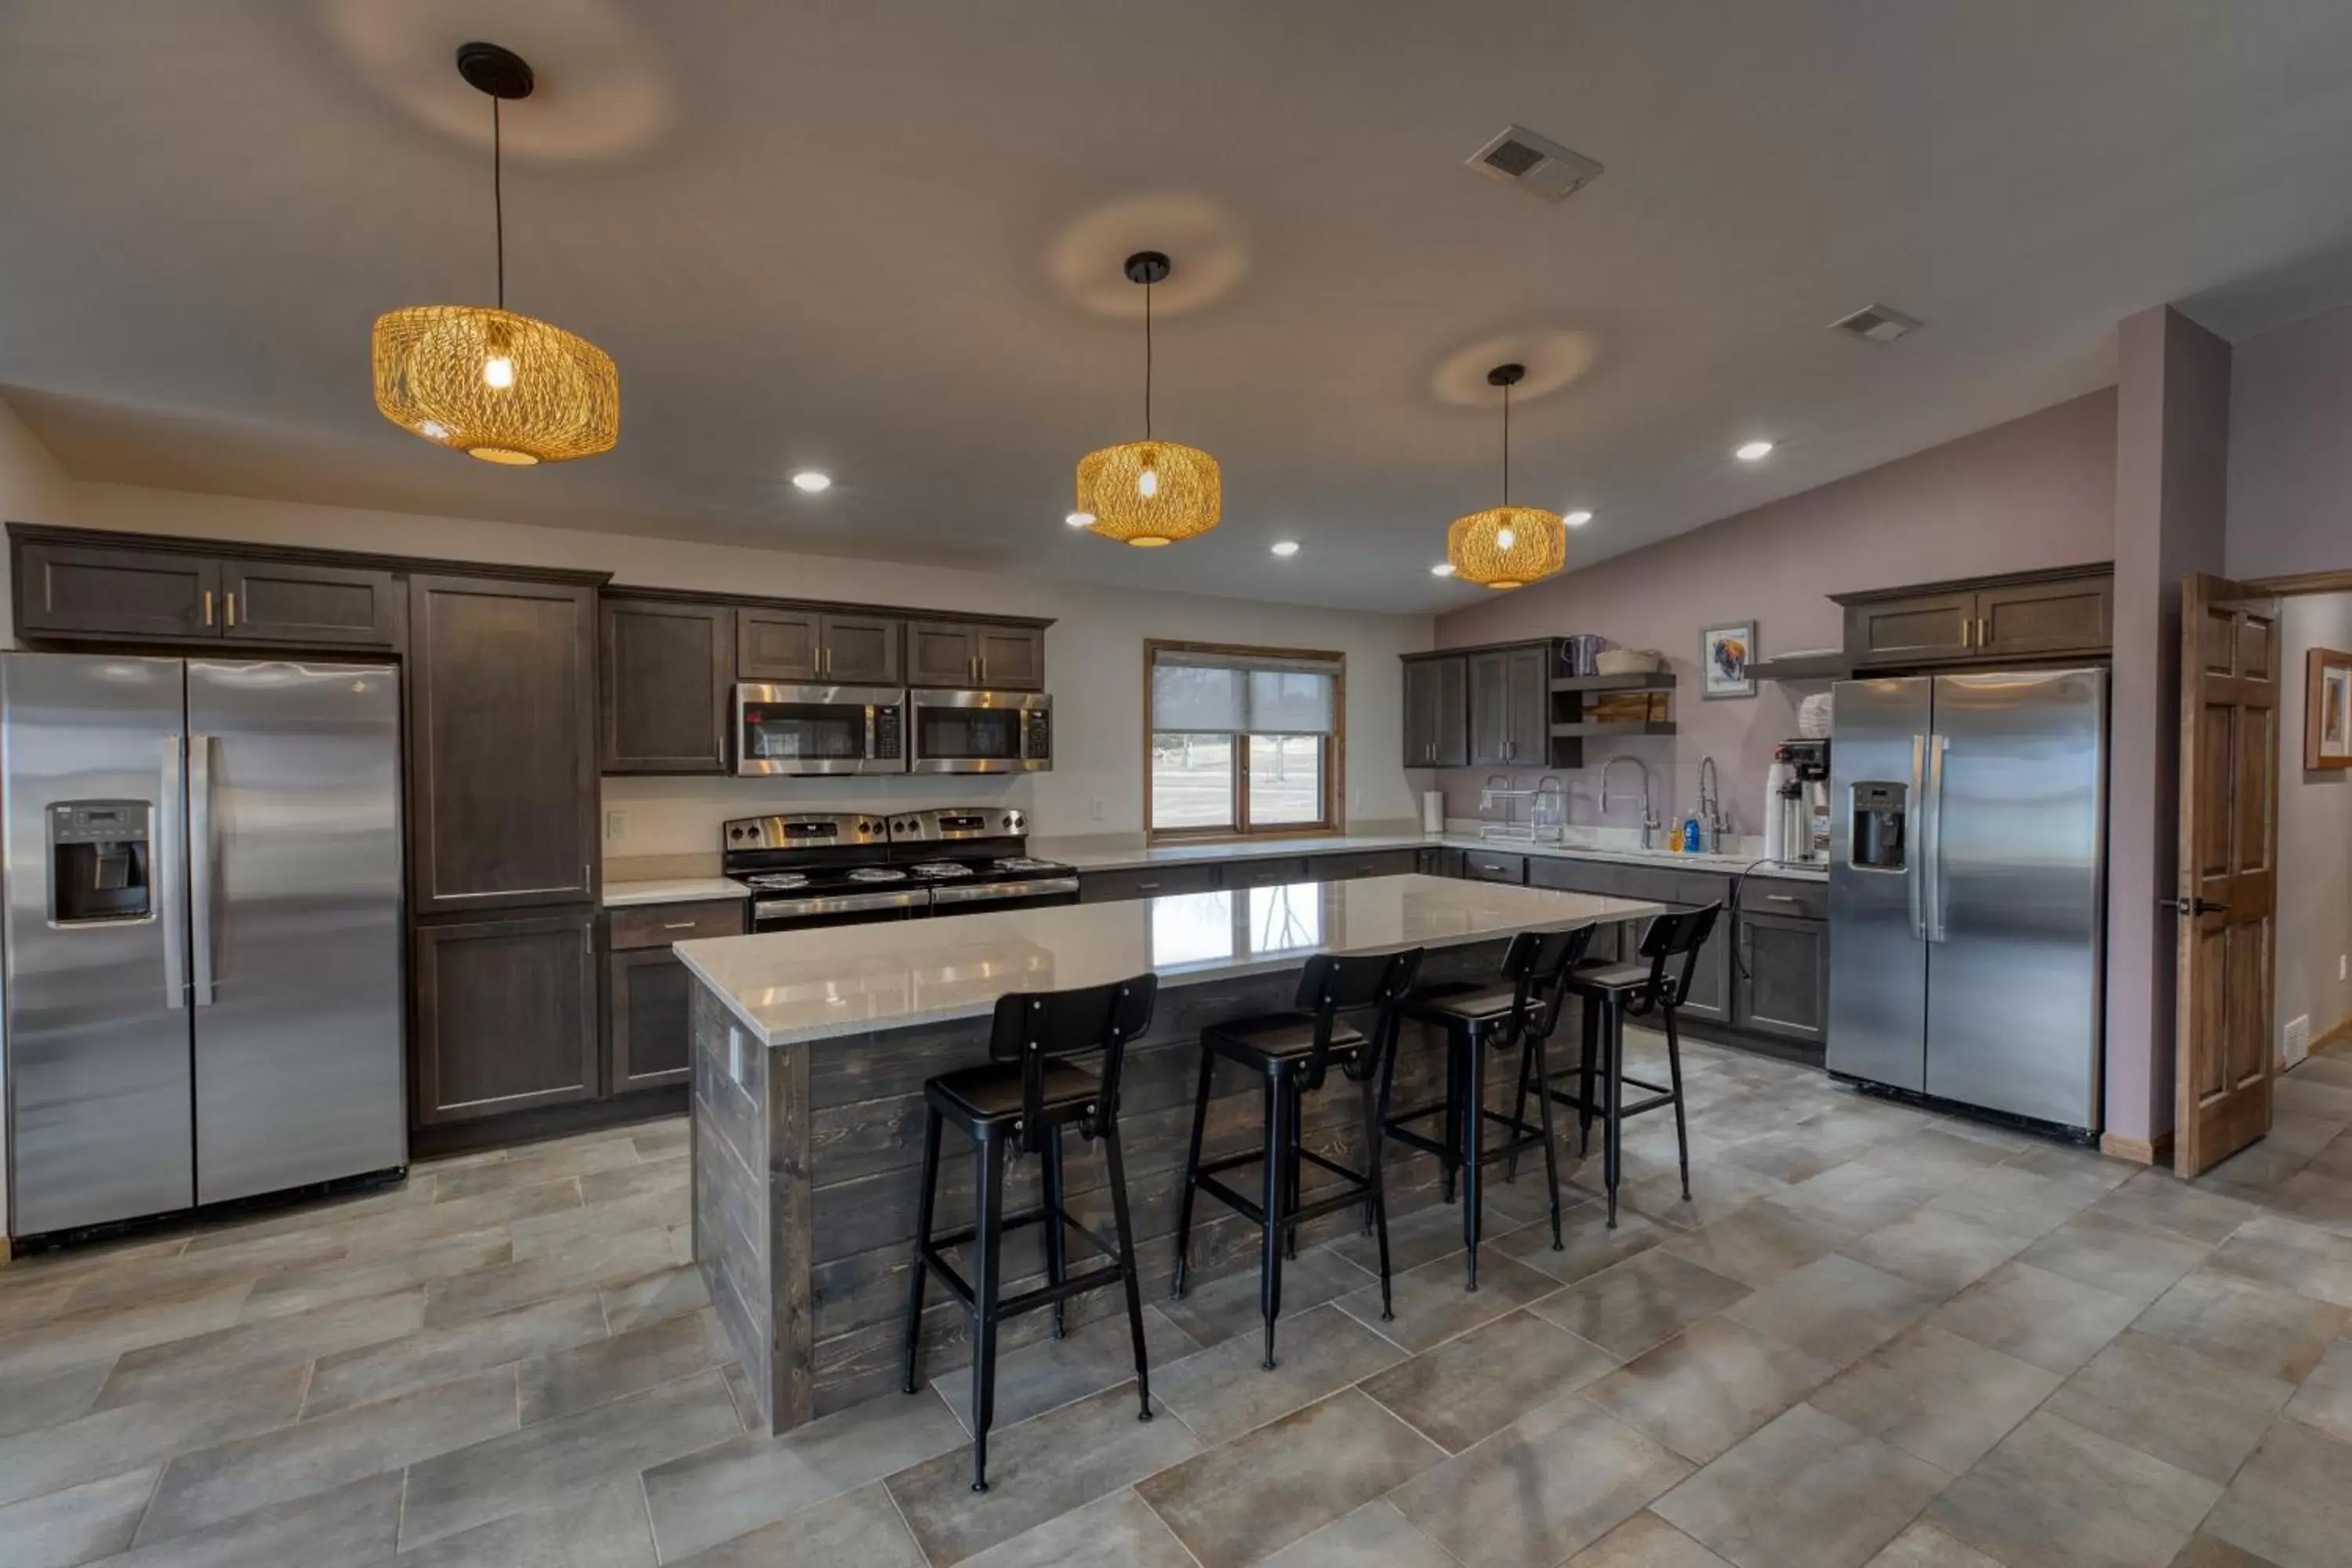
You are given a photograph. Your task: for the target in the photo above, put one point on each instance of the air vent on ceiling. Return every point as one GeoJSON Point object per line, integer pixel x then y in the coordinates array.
{"type": "Point", "coordinates": [1877, 324]}
{"type": "Point", "coordinates": [1536, 165]}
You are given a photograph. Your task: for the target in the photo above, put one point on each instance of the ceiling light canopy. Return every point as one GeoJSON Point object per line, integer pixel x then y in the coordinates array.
{"type": "Point", "coordinates": [1148, 492]}
{"type": "Point", "coordinates": [1507, 546]}
{"type": "Point", "coordinates": [482, 380]}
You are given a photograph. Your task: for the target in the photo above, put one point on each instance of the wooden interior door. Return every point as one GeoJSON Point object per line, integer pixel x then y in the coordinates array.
{"type": "Point", "coordinates": [2229, 870]}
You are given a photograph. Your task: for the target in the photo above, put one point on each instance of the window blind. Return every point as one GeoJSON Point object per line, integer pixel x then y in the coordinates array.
{"type": "Point", "coordinates": [1244, 693]}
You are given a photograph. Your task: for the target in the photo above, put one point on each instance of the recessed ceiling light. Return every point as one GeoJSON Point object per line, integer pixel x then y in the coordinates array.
{"type": "Point", "coordinates": [1286, 547]}
{"type": "Point", "coordinates": [813, 481]}
{"type": "Point", "coordinates": [1752, 451]}
{"type": "Point", "coordinates": [1081, 520]}
{"type": "Point", "coordinates": [1443, 569]}
{"type": "Point", "coordinates": [1575, 519]}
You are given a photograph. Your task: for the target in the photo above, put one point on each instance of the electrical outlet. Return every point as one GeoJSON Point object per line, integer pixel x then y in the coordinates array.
{"type": "Point", "coordinates": [2339, 964]}
{"type": "Point", "coordinates": [616, 825]}
{"type": "Point", "coordinates": [1095, 808]}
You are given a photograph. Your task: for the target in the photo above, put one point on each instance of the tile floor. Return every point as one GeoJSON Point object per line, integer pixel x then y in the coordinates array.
{"type": "Point", "coordinates": [1877, 1337]}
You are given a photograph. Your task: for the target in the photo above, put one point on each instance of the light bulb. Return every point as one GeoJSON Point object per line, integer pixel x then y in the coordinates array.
{"type": "Point", "coordinates": [499, 370]}
{"type": "Point", "coordinates": [1147, 483]}
{"type": "Point", "coordinates": [1505, 538]}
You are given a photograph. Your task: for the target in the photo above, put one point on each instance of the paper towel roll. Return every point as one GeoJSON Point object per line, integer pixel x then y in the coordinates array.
{"type": "Point", "coordinates": [1432, 810]}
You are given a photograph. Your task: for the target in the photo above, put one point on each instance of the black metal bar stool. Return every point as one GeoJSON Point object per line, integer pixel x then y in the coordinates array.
{"type": "Point", "coordinates": [1612, 993]}
{"type": "Point", "coordinates": [1522, 1011]}
{"type": "Point", "coordinates": [1019, 1102]}
{"type": "Point", "coordinates": [1292, 1052]}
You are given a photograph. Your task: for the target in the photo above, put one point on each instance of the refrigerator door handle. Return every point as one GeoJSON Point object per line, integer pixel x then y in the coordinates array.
{"type": "Point", "coordinates": [170, 856]}
{"type": "Point", "coordinates": [1917, 870]}
{"type": "Point", "coordinates": [200, 864]}
{"type": "Point", "coordinates": [1932, 853]}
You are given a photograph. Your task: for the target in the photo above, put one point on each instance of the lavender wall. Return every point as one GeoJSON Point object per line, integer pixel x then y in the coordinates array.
{"type": "Point", "coordinates": [2290, 462]}
{"type": "Point", "coordinates": [2037, 491]}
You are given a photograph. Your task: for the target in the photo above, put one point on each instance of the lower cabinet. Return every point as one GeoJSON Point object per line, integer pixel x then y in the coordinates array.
{"type": "Point", "coordinates": [1363, 863]}
{"type": "Point", "coordinates": [1148, 882]}
{"type": "Point", "coordinates": [506, 1013]}
{"type": "Point", "coordinates": [1783, 986]}
{"type": "Point", "coordinates": [648, 993]}
{"type": "Point", "coordinates": [1269, 873]}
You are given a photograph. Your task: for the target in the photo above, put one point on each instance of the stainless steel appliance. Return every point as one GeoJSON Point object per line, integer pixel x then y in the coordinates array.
{"type": "Point", "coordinates": [981, 731]}
{"type": "Point", "coordinates": [202, 986]}
{"type": "Point", "coordinates": [828, 868]}
{"type": "Point", "coordinates": [820, 728]}
{"type": "Point", "coordinates": [1801, 798]}
{"type": "Point", "coordinates": [1968, 875]}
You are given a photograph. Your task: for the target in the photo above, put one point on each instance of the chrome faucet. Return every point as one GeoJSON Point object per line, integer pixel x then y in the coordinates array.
{"type": "Point", "coordinates": [1710, 803]}
{"type": "Point", "coordinates": [1649, 817]}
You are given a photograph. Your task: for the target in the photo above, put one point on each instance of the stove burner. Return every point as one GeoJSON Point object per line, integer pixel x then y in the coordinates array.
{"type": "Point", "coordinates": [940, 870]}
{"type": "Point", "coordinates": [876, 874]}
{"type": "Point", "coordinates": [777, 881]}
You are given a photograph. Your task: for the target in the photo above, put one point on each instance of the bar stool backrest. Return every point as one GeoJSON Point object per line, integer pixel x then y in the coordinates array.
{"type": "Point", "coordinates": [1033, 1028]}
{"type": "Point", "coordinates": [1333, 984]}
{"type": "Point", "coordinates": [1678, 934]}
{"type": "Point", "coordinates": [1536, 965]}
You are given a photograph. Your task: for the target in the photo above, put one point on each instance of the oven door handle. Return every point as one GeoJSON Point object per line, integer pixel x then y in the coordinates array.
{"type": "Point", "coordinates": [986, 892]}
{"type": "Point", "coordinates": [837, 904]}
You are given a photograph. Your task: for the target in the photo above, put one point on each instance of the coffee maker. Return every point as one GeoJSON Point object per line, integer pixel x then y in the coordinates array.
{"type": "Point", "coordinates": [1800, 803]}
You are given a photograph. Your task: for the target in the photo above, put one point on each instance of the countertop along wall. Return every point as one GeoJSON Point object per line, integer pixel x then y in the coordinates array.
{"type": "Point", "coordinates": [2034, 492]}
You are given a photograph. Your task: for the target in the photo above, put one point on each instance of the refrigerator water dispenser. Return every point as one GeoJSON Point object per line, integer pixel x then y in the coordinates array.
{"type": "Point", "coordinates": [98, 870]}
{"type": "Point", "coordinates": [1879, 813]}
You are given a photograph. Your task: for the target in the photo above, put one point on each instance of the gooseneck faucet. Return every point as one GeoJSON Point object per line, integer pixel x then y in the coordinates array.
{"type": "Point", "coordinates": [1710, 803]}
{"type": "Point", "coordinates": [1649, 818]}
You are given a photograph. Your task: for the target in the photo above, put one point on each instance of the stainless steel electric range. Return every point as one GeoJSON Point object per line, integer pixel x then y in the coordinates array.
{"type": "Point", "coordinates": [844, 869]}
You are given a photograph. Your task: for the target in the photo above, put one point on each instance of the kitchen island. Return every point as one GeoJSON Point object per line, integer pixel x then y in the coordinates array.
{"type": "Point", "coordinates": [811, 1049]}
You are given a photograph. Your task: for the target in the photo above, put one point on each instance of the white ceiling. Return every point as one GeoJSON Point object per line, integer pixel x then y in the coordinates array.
{"type": "Point", "coordinates": [883, 240]}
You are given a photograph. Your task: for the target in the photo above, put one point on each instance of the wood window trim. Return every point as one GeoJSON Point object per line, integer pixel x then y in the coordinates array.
{"type": "Point", "coordinates": [1334, 751]}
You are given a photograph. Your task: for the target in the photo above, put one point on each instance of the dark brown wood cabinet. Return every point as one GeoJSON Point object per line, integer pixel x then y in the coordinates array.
{"type": "Point", "coordinates": [502, 743]}
{"type": "Point", "coordinates": [1926, 625]}
{"type": "Point", "coordinates": [1148, 882]}
{"type": "Point", "coordinates": [665, 677]}
{"type": "Point", "coordinates": [862, 650]}
{"type": "Point", "coordinates": [1278, 871]}
{"type": "Point", "coordinates": [1781, 988]}
{"type": "Point", "coordinates": [975, 656]}
{"type": "Point", "coordinates": [2075, 616]}
{"type": "Point", "coordinates": [1510, 709]}
{"type": "Point", "coordinates": [1437, 711]}
{"type": "Point", "coordinates": [309, 604]}
{"type": "Point", "coordinates": [2032, 614]}
{"type": "Point", "coordinates": [649, 996]}
{"type": "Point", "coordinates": [816, 645]}
{"type": "Point", "coordinates": [118, 591]}
{"type": "Point", "coordinates": [506, 1015]}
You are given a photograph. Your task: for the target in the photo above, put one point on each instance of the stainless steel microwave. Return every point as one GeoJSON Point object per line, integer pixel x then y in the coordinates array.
{"type": "Point", "coordinates": [820, 729]}
{"type": "Point", "coordinates": [980, 732]}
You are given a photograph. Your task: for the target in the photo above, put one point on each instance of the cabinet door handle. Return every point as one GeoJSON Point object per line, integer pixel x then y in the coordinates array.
{"type": "Point", "coordinates": [231, 606]}
{"type": "Point", "coordinates": [1984, 631]}
{"type": "Point", "coordinates": [1146, 887]}
{"type": "Point", "coordinates": [677, 925]}
{"type": "Point", "coordinates": [208, 607]}
{"type": "Point", "coordinates": [1781, 898]}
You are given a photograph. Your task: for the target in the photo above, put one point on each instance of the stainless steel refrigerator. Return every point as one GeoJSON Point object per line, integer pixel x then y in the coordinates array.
{"type": "Point", "coordinates": [1968, 880]}
{"type": "Point", "coordinates": [201, 963]}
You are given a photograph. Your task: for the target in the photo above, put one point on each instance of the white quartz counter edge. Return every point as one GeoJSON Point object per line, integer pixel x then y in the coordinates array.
{"type": "Point", "coordinates": [672, 891]}
{"type": "Point", "coordinates": [701, 957]}
{"type": "Point", "coordinates": [1139, 857]}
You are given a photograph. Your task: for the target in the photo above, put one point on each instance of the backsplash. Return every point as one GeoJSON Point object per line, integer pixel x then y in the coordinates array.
{"type": "Point", "coordinates": [673, 817]}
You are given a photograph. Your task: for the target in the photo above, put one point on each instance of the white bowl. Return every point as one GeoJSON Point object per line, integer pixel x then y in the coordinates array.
{"type": "Point", "coordinates": [1628, 661]}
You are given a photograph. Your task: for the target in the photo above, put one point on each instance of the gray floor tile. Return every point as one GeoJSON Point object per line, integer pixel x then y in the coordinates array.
{"type": "Point", "coordinates": [2013, 1199]}
{"type": "Point", "coordinates": [49, 1398]}
{"type": "Point", "coordinates": [442, 1355]}
{"type": "Point", "coordinates": [1246, 1500]}
{"type": "Point", "coordinates": [2157, 1200]}
{"type": "Point", "coordinates": [858, 1529]}
{"type": "Point", "coordinates": [246, 1473]}
{"type": "Point", "coordinates": [1923, 1546]}
{"type": "Point", "coordinates": [1806, 1491]}
{"type": "Point", "coordinates": [2037, 1316]}
{"type": "Point", "coordinates": [234, 1354]}
{"type": "Point", "coordinates": [2325, 1400]}
{"type": "Point", "coordinates": [672, 1293]}
{"type": "Point", "coordinates": [2290, 1503]}
{"type": "Point", "coordinates": [375, 1273]}
{"type": "Point", "coordinates": [1646, 1541]}
{"type": "Point", "coordinates": [353, 1522]}
{"type": "Point", "coordinates": [2315, 1197]}
{"type": "Point", "coordinates": [1647, 1299]}
{"type": "Point", "coordinates": [736, 1486]}
{"type": "Point", "coordinates": [107, 1442]}
{"type": "Point", "coordinates": [1938, 1396]}
{"type": "Point", "coordinates": [2301, 1257]}
{"type": "Point", "coordinates": [1435, 1231]}
{"type": "Point", "coordinates": [1709, 1387]}
{"type": "Point", "coordinates": [1859, 1196]}
{"type": "Point", "coordinates": [1048, 1372]}
{"type": "Point", "coordinates": [1224, 1390]}
{"type": "Point", "coordinates": [2254, 1172]}
{"type": "Point", "coordinates": [1759, 1244]}
{"type": "Point", "coordinates": [2205, 1551]}
{"type": "Point", "coordinates": [1037, 1470]}
{"type": "Point", "coordinates": [739, 1390]}
{"type": "Point", "coordinates": [94, 1519]}
{"type": "Point", "coordinates": [1542, 1489]}
{"type": "Point", "coordinates": [1225, 1307]}
{"type": "Point", "coordinates": [603, 1527]}
{"type": "Point", "coordinates": [592, 1263]}
{"type": "Point", "coordinates": [459, 1490]}
{"type": "Point", "coordinates": [632, 1182]}
{"type": "Point", "coordinates": [1590, 1246]}
{"type": "Point", "coordinates": [1460, 1391]}
{"type": "Point", "coordinates": [1718, 1189]}
{"type": "Point", "coordinates": [2055, 1495]}
{"type": "Point", "coordinates": [72, 1341]}
{"type": "Point", "coordinates": [2166, 1400]}
{"type": "Point", "coordinates": [1943, 1251]}
{"type": "Point", "coordinates": [1116, 1532]}
{"type": "Point", "coordinates": [589, 1375]}
{"type": "Point", "coordinates": [2121, 1258]}
{"type": "Point", "coordinates": [1433, 1304]}
{"type": "Point", "coordinates": [1836, 1308]}
{"type": "Point", "coordinates": [2243, 1323]}
{"type": "Point", "coordinates": [1374, 1536]}
{"type": "Point", "coordinates": [524, 1167]}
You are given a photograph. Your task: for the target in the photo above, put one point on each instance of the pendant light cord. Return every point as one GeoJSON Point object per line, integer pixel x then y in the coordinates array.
{"type": "Point", "coordinates": [1147, 361]}
{"type": "Point", "coordinates": [1506, 444]}
{"type": "Point", "coordinates": [498, 200]}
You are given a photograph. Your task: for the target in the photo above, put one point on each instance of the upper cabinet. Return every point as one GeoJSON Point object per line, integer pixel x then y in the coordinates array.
{"type": "Point", "coordinates": [665, 675]}
{"type": "Point", "coordinates": [1436, 711]}
{"type": "Point", "coordinates": [2041, 615]}
{"type": "Point", "coordinates": [811, 646]}
{"type": "Point", "coordinates": [1510, 707]}
{"type": "Point", "coordinates": [132, 591]}
{"type": "Point", "coordinates": [304, 602]}
{"type": "Point", "coordinates": [975, 656]}
{"type": "Point", "coordinates": [502, 742]}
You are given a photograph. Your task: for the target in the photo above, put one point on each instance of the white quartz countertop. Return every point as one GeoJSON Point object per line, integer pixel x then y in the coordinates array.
{"type": "Point", "coordinates": [1098, 856]}
{"type": "Point", "coordinates": [672, 891]}
{"type": "Point", "coordinates": [793, 986]}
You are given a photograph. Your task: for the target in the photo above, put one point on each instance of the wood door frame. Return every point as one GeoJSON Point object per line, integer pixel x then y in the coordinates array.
{"type": "Point", "coordinates": [2211, 1030]}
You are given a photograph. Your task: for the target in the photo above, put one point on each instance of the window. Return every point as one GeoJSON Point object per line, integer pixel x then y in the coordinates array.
{"type": "Point", "coordinates": [1241, 741]}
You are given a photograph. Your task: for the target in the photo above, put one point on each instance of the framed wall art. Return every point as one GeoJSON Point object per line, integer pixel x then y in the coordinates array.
{"type": "Point", "coordinates": [1724, 653]}
{"type": "Point", "coordinates": [2327, 709]}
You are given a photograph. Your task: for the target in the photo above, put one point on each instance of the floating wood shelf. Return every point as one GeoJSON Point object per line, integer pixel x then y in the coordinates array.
{"type": "Point", "coordinates": [1648, 681]}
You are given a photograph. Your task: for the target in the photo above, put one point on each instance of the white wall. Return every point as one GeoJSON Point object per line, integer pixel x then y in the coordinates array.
{"type": "Point", "coordinates": [2314, 880]}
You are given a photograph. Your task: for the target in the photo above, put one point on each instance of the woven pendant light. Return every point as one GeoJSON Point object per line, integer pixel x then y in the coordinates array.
{"type": "Point", "coordinates": [484, 381]}
{"type": "Point", "coordinates": [1150, 492]}
{"type": "Point", "coordinates": [1507, 546]}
